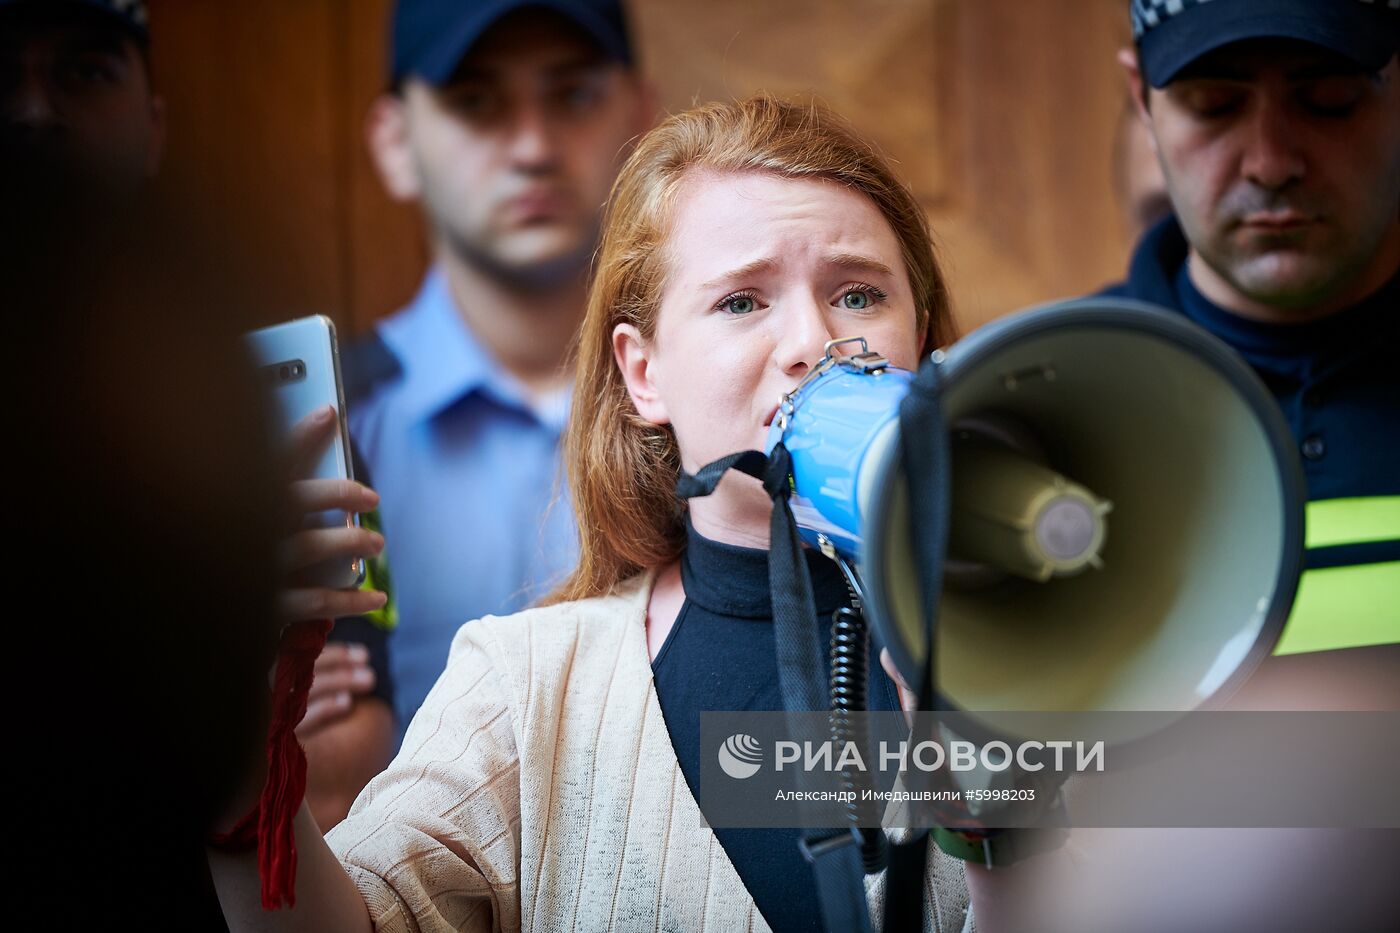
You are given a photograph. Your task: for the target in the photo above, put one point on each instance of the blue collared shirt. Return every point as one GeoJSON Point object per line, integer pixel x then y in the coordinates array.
{"type": "Point", "coordinates": [475, 513]}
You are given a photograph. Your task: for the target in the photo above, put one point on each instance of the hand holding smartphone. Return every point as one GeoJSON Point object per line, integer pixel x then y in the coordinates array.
{"type": "Point", "coordinates": [299, 365]}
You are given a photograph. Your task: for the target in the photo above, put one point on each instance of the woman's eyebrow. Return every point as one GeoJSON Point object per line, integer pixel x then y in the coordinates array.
{"type": "Point", "coordinates": [851, 261]}
{"type": "Point", "coordinates": [743, 272]}
{"type": "Point", "coordinates": [858, 263]}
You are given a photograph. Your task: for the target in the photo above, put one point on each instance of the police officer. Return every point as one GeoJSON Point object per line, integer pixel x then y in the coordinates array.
{"type": "Point", "coordinates": [1277, 126]}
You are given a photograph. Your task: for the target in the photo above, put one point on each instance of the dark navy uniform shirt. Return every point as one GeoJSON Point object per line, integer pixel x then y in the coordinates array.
{"type": "Point", "coordinates": [1337, 382]}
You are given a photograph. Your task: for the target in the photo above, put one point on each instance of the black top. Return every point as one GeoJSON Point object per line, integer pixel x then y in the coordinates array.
{"type": "Point", "coordinates": [721, 656]}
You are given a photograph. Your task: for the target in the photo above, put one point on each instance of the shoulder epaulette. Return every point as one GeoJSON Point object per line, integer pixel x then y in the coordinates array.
{"type": "Point", "coordinates": [364, 363]}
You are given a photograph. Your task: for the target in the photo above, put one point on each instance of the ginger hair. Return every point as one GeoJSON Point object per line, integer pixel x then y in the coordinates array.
{"type": "Point", "coordinates": [622, 469]}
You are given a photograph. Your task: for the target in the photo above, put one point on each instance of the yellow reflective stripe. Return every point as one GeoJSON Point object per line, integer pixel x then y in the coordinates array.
{"type": "Point", "coordinates": [1344, 607]}
{"type": "Point", "coordinates": [377, 578]}
{"type": "Point", "coordinates": [387, 615]}
{"type": "Point", "coordinates": [1353, 521]}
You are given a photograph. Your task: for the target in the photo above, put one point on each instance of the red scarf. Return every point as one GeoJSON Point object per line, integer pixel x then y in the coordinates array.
{"type": "Point", "coordinates": [268, 825]}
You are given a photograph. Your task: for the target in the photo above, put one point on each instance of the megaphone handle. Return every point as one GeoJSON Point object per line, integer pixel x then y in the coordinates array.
{"type": "Point", "coordinates": [924, 449]}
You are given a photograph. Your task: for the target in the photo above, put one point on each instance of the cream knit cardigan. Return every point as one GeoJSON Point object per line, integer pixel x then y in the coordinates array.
{"type": "Point", "coordinates": [537, 789]}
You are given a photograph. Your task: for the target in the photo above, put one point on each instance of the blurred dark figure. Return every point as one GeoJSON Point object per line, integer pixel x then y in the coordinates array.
{"type": "Point", "coordinates": [146, 512]}
{"type": "Point", "coordinates": [79, 109]}
{"type": "Point", "coordinates": [145, 533]}
{"type": "Point", "coordinates": [75, 90]}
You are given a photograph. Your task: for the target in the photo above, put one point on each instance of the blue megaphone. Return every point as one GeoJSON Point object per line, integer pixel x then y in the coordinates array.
{"type": "Point", "coordinates": [1126, 509]}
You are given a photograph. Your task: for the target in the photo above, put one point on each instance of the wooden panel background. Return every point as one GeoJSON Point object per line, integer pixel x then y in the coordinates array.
{"type": "Point", "coordinates": [1000, 113]}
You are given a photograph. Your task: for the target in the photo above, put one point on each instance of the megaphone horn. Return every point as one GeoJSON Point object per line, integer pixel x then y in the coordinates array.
{"type": "Point", "coordinates": [1126, 509]}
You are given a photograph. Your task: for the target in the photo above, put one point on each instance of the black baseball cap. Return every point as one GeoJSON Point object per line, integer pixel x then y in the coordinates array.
{"type": "Point", "coordinates": [1171, 34]}
{"type": "Point", "coordinates": [130, 15]}
{"type": "Point", "coordinates": [430, 37]}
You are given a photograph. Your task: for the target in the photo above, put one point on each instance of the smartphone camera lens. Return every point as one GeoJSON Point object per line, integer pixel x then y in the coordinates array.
{"type": "Point", "coordinates": [285, 372]}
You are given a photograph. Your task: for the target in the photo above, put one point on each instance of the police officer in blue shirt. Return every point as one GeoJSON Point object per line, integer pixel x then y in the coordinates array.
{"type": "Point", "coordinates": [505, 122]}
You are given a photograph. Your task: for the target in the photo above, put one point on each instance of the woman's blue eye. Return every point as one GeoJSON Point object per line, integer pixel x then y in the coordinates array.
{"type": "Point", "coordinates": [861, 297]}
{"type": "Point", "coordinates": [739, 304]}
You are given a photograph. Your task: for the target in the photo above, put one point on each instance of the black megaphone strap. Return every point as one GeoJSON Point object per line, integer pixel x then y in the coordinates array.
{"type": "Point", "coordinates": [924, 444]}
{"type": "Point", "coordinates": [802, 669]}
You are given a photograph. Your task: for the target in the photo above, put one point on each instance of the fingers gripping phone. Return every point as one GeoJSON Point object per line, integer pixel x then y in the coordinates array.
{"type": "Point", "coordinates": [299, 365]}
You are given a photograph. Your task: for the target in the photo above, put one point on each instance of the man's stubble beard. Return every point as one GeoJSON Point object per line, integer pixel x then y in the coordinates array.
{"type": "Point", "coordinates": [482, 254]}
{"type": "Point", "coordinates": [1336, 262]}
{"type": "Point", "coordinates": [477, 245]}
{"type": "Point", "coordinates": [1335, 268]}
{"type": "Point", "coordinates": [1294, 294]}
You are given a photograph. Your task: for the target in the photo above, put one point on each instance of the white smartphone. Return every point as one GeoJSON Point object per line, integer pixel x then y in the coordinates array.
{"type": "Point", "coordinates": [299, 365]}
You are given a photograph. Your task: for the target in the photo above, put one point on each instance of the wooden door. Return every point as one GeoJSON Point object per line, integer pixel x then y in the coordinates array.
{"type": "Point", "coordinates": [1001, 114]}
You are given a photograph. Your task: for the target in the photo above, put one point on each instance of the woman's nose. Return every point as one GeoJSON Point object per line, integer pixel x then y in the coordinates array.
{"type": "Point", "coordinates": [803, 343]}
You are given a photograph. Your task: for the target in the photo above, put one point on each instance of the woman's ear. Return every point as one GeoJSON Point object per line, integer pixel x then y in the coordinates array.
{"type": "Point", "coordinates": [633, 358]}
{"type": "Point", "coordinates": [925, 336]}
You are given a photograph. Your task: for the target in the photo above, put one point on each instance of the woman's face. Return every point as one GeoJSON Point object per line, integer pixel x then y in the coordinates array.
{"type": "Point", "coordinates": [761, 272]}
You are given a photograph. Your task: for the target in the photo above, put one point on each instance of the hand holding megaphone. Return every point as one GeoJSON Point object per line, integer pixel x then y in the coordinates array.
{"type": "Point", "coordinates": [908, 699]}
